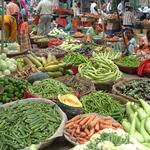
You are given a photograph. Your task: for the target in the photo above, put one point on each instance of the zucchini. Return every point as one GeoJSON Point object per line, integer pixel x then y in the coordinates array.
{"type": "Point", "coordinates": [52, 68]}
{"type": "Point", "coordinates": [34, 61]}
{"type": "Point", "coordinates": [27, 61]}
{"type": "Point", "coordinates": [55, 74]}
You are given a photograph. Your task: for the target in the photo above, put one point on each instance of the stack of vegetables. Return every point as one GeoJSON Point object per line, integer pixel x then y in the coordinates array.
{"type": "Point", "coordinates": [112, 55]}
{"type": "Point", "coordinates": [26, 123]}
{"type": "Point", "coordinates": [138, 122]}
{"type": "Point", "coordinates": [12, 89]}
{"type": "Point", "coordinates": [100, 71]}
{"type": "Point", "coordinates": [80, 128]}
{"type": "Point", "coordinates": [50, 64]}
{"type": "Point", "coordinates": [135, 89]}
{"type": "Point", "coordinates": [75, 58]}
{"type": "Point", "coordinates": [50, 88]}
{"type": "Point", "coordinates": [109, 139]}
{"type": "Point", "coordinates": [103, 103]}
{"type": "Point", "coordinates": [129, 61]}
{"type": "Point", "coordinates": [7, 65]}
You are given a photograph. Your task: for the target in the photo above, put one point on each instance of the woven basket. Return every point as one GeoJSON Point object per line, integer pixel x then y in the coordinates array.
{"type": "Point", "coordinates": [42, 44]}
{"type": "Point", "coordinates": [44, 52]}
{"type": "Point", "coordinates": [71, 81]}
{"type": "Point", "coordinates": [128, 70]}
{"type": "Point", "coordinates": [124, 82]}
{"type": "Point", "coordinates": [59, 131]}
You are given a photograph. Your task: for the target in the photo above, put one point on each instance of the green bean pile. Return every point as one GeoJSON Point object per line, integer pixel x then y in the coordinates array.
{"type": "Point", "coordinates": [112, 55]}
{"type": "Point", "coordinates": [75, 58]}
{"type": "Point", "coordinates": [50, 88]}
{"type": "Point", "coordinates": [100, 71]}
{"type": "Point", "coordinates": [26, 123]}
{"type": "Point", "coordinates": [129, 61]}
{"type": "Point", "coordinates": [102, 103]}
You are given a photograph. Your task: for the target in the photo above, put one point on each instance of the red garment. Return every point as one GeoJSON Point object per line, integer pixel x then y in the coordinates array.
{"type": "Point", "coordinates": [144, 68]}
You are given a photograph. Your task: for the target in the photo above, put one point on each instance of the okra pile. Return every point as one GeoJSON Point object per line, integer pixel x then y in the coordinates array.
{"type": "Point", "coordinates": [26, 123]}
{"type": "Point", "coordinates": [50, 88]}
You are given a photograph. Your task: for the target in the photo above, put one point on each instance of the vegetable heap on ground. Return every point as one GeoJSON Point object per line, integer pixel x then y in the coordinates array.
{"type": "Point", "coordinates": [26, 123]}
{"type": "Point", "coordinates": [100, 71]}
{"type": "Point", "coordinates": [50, 88]}
{"type": "Point", "coordinates": [103, 104]}
{"type": "Point", "coordinates": [7, 65]}
{"type": "Point", "coordinates": [136, 89]}
{"type": "Point", "coordinates": [75, 58]}
{"type": "Point", "coordinates": [109, 139]}
{"type": "Point", "coordinates": [129, 61]}
{"type": "Point", "coordinates": [138, 122]}
{"type": "Point", "coordinates": [13, 89]}
{"type": "Point", "coordinates": [80, 128]}
{"type": "Point", "coordinates": [112, 55]}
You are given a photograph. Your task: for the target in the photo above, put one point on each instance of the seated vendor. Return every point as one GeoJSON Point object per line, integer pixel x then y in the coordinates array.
{"type": "Point", "coordinates": [130, 41]}
{"type": "Point", "coordinates": [145, 43]}
{"type": "Point", "coordinates": [95, 29]}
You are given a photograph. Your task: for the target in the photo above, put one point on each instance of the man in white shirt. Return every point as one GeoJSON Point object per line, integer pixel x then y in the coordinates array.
{"type": "Point", "coordinates": [109, 6]}
{"type": "Point", "coordinates": [45, 8]}
{"type": "Point", "coordinates": [121, 7]}
{"type": "Point", "coordinates": [93, 8]}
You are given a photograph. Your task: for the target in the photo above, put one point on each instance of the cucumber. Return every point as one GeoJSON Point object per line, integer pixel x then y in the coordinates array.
{"type": "Point", "coordinates": [55, 74]}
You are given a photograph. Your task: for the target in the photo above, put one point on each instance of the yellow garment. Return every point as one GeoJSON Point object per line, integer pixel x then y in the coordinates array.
{"type": "Point", "coordinates": [10, 27]}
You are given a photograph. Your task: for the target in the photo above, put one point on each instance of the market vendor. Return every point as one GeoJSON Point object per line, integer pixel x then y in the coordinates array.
{"type": "Point", "coordinates": [45, 8]}
{"type": "Point", "coordinates": [94, 30]}
{"type": "Point", "coordinates": [10, 28]}
{"type": "Point", "coordinates": [145, 42]}
{"type": "Point", "coordinates": [130, 42]}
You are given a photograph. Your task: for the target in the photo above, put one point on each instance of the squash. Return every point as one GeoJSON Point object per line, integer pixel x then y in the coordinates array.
{"type": "Point", "coordinates": [70, 100]}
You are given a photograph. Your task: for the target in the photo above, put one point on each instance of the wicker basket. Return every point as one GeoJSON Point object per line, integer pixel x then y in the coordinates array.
{"type": "Point", "coordinates": [72, 81]}
{"type": "Point", "coordinates": [128, 70]}
{"type": "Point", "coordinates": [42, 44]}
{"type": "Point", "coordinates": [124, 82]}
{"type": "Point", "coordinates": [44, 52]}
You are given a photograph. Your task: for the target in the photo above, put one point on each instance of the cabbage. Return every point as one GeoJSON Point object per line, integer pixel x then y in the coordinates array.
{"type": "Point", "coordinates": [7, 72]}
{"type": "Point", "coordinates": [13, 68]}
{"type": "Point", "coordinates": [1, 73]}
{"type": "Point", "coordinates": [3, 65]}
{"type": "Point", "coordinates": [13, 61]}
{"type": "Point", "coordinates": [3, 56]}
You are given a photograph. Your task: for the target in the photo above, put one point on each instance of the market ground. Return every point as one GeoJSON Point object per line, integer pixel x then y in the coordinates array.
{"type": "Point", "coordinates": [61, 143]}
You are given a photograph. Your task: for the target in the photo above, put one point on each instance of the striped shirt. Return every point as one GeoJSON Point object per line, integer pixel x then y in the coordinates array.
{"type": "Point", "coordinates": [128, 18]}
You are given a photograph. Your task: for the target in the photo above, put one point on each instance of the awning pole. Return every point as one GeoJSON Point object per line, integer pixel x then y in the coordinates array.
{"type": "Point", "coordinates": [2, 29]}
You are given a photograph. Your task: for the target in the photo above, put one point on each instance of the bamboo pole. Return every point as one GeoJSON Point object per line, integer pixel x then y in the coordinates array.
{"type": "Point", "coordinates": [2, 29]}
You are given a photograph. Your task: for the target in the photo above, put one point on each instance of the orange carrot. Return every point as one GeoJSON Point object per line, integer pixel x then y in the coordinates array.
{"type": "Point", "coordinates": [69, 124]}
{"type": "Point", "coordinates": [84, 120]}
{"type": "Point", "coordinates": [92, 132]}
{"type": "Point", "coordinates": [66, 133]}
{"type": "Point", "coordinates": [116, 125]}
{"type": "Point", "coordinates": [97, 128]}
{"type": "Point", "coordinates": [74, 119]}
{"type": "Point", "coordinates": [94, 122]}
{"type": "Point", "coordinates": [78, 130]}
{"type": "Point", "coordinates": [91, 118]}
{"type": "Point", "coordinates": [73, 132]}
{"type": "Point", "coordinates": [81, 140]}
{"type": "Point", "coordinates": [87, 131]}
{"type": "Point", "coordinates": [69, 130]}
{"type": "Point", "coordinates": [102, 126]}
{"type": "Point", "coordinates": [75, 125]}
{"type": "Point", "coordinates": [83, 134]}
{"type": "Point", "coordinates": [107, 118]}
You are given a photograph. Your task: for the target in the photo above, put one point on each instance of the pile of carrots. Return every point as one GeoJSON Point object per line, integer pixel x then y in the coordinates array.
{"type": "Point", "coordinates": [81, 128]}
